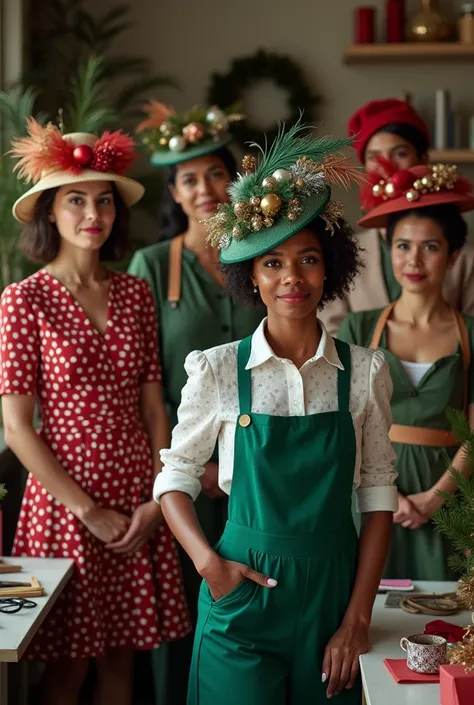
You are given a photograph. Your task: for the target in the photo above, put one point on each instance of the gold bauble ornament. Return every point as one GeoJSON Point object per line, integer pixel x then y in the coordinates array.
{"type": "Point", "coordinates": [427, 181]}
{"type": "Point", "coordinates": [269, 183]}
{"type": "Point", "coordinates": [268, 222]}
{"type": "Point", "coordinates": [377, 190]}
{"type": "Point", "coordinates": [257, 223]}
{"type": "Point", "coordinates": [418, 186]}
{"type": "Point", "coordinates": [255, 202]}
{"type": "Point", "coordinates": [299, 183]}
{"type": "Point", "coordinates": [163, 141]}
{"type": "Point", "coordinates": [249, 163]}
{"type": "Point", "coordinates": [270, 204]}
{"type": "Point", "coordinates": [389, 190]}
{"type": "Point", "coordinates": [243, 210]}
{"type": "Point", "coordinates": [412, 195]}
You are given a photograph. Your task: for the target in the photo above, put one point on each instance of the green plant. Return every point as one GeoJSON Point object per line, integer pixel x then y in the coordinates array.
{"type": "Point", "coordinates": [456, 518]}
{"type": "Point", "coordinates": [14, 108]}
{"type": "Point", "coordinates": [65, 35]}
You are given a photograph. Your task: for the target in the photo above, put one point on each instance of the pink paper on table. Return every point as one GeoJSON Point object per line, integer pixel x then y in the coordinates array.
{"type": "Point", "coordinates": [402, 674]}
{"type": "Point", "coordinates": [396, 584]}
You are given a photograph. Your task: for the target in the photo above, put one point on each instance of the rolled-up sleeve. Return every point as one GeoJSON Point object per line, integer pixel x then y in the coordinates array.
{"type": "Point", "coordinates": [195, 435]}
{"type": "Point", "coordinates": [377, 490]}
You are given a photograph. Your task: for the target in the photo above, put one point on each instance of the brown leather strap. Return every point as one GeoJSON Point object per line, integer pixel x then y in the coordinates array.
{"type": "Point", "coordinates": [418, 436]}
{"type": "Point", "coordinates": [381, 323]}
{"type": "Point", "coordinates": [174, 273]}
{"type": "Point", "coordinates": [415, 435]}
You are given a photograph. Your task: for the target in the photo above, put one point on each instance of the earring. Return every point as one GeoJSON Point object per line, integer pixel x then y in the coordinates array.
{"type": "Point", "coordinates": [255, 290]}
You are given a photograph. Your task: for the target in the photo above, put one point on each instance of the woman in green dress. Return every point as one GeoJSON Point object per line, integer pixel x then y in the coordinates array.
{"type": "Point", "coordinates": [428, 346]}
{"type": "Point", "coordinates": [193, 308]}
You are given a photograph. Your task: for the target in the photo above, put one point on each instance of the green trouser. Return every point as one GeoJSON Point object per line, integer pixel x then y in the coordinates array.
{"type": "Point", "coordinates": [289, 518]}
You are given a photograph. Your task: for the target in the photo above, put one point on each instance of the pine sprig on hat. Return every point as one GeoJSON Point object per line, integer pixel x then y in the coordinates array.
{"type": "Point", "coordinates": [295, 167]}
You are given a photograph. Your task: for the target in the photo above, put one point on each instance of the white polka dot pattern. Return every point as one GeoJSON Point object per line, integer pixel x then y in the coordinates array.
{"type": "Point", "coordinates": [88, 388]}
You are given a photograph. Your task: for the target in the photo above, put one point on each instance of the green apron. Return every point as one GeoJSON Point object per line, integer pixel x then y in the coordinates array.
{"type": "Point", "coordinates": [289, 518]}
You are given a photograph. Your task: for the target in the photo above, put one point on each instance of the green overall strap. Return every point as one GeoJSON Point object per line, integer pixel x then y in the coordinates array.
{"type": "Point", "coordinates": [343, 376]}
{"type": "Point", "coordinates": [244, 376]}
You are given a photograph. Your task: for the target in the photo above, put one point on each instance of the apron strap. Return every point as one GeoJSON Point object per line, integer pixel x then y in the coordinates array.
{"type": "Point", "coordinates": [343, 376]}
{"type": "Point", "coordinates": [174, 271]}
{"type": "Point", "coordinates": [244, 377]}
{"type": "Point", "coordinates": [380, 325]}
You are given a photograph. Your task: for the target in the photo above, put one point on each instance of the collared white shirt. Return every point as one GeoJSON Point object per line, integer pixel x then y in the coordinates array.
{"type": "Point", "coordinates": [210, 407]}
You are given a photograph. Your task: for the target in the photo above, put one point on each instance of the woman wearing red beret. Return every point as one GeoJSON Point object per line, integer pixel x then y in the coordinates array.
{"type": "Point", "coordinates": [393, 130]}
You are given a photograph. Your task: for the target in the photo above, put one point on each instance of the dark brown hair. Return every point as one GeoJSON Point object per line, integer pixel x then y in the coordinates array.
{"type": "Point", "coordinates": [40, 239]}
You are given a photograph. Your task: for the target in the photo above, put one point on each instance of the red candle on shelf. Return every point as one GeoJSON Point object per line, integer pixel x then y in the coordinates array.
{"type": "Point", "coordinates": [365, 25]}
{"type": "Point", "coordinates": [395, 21]}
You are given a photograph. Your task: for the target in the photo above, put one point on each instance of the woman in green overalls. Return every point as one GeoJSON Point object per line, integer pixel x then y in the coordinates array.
{"type": "Point", "coordinates": [301, 421]}
{"type": "Point", "coordinates": [193, 308]}
{"type": "Point", "coordinates": [428, 346]}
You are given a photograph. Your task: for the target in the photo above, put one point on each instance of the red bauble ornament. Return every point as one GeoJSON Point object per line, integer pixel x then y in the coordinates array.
{"type": "Point", "coordinates": [83, 155]}
{"type": "Point", "coordinates": [402, 180]}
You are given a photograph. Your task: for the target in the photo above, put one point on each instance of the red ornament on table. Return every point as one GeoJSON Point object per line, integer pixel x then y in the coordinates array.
{"type": "Point", "coordinates": [395, 21]}
{"type": "Point", "coordinates": [365, 25]}
{"type": "Point", "coordinates": [83, 155]}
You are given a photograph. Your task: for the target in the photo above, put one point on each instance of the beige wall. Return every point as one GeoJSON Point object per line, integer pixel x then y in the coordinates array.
{"type": "Point", "coordinates": [190, 39]}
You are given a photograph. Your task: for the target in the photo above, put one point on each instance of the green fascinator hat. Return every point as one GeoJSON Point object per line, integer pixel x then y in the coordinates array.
{"type": "Point", "coordinates": [281, 192]}
{"type": "Point", "coordinates": [173, 139]}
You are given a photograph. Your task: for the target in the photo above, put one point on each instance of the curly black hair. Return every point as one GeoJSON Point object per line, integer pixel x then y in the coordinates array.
{"type": "Point", "coordinates": [341, 258]}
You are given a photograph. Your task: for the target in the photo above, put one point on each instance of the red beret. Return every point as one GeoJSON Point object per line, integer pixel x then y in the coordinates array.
{"type": "Point", "coordinates": [375, 115]}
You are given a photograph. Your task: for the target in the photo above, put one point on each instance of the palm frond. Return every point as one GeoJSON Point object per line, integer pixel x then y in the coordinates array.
{"type": "Point", "coordinates": [87, 112]}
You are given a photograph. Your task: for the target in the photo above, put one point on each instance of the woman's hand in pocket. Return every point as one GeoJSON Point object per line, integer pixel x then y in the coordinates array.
{"type": "Point", "coordinates": [223, 576]}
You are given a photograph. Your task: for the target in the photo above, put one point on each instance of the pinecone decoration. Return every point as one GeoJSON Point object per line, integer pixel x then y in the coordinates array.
{"type": "Point", "coordinates": [105, 156]}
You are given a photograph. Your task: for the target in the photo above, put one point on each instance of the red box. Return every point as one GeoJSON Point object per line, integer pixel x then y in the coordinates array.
{"type": "Point", "coordinates": [456, 686]}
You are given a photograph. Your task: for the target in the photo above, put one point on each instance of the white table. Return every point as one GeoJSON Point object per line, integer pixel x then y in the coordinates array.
{"type": "Point", "coordinates": [17, 630]}
{"type": "Point", "coordinates": [387, 628]}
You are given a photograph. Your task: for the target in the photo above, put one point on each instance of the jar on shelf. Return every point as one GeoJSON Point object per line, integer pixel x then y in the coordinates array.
{"type": "Point", "coordinates": [466, 23]}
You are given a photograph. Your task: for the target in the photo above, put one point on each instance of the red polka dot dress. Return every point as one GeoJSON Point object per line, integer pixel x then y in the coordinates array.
{"type": "Point", "coordinates": [88, 387]}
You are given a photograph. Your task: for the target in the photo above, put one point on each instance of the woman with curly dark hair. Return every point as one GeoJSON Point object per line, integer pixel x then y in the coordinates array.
{"type": "Point", "coordinates": [301, 420]}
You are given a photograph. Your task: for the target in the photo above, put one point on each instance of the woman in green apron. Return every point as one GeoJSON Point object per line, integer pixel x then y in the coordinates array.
{"type": "Point", "coordinates": [193, 309]}
{"type": "Point", "coordinates": [301, 421]}
{"type": "Point", "coordinates": [428, 346]}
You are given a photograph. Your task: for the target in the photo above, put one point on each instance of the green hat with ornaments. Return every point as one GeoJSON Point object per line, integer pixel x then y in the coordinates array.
{"type": "Point", "coordinates": [174, 139]}
{"type": "Point", "coordinates": [281, 192]}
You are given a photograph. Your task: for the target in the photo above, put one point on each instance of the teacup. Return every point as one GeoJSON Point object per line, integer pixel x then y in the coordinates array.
{"type": "Point", "coordinates": [425, 652]}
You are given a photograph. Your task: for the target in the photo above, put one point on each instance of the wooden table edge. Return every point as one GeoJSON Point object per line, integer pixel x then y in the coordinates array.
{"type": "Point", "coordinates": [13, 656]}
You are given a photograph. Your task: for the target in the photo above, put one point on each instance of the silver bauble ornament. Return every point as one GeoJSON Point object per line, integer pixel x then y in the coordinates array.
{"type": "Point", "coordinates": [281, 175]}
{"type": "Point", "coordinates": [177, 143]}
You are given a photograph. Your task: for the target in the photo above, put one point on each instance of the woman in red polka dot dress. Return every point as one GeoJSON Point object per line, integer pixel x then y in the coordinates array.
{"type": "Point", "coordinates": [81, 341]}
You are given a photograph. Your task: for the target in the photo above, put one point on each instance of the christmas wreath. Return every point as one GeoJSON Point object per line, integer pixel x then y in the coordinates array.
{"type": "Point", "coordinates": [229, 88]}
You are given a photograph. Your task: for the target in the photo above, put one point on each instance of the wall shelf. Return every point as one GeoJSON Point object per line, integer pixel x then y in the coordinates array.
{"type": "Point", "coordinates": [452, 156]}
{"type": "Point", "coordinates": [409, 51]}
